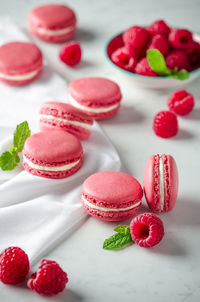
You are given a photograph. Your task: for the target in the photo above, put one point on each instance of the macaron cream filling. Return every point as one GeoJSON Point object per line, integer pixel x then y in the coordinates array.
{"type": "Point", "coordinates": [89, 109]}
{"type": "Point", "coordinates": [50, 169]}
{"type": "Point", "coordinates": [91, 205]}
{"type": "Point", "coordinates": [162, 188]}
{"type": "Point", "coordinates": [75, 123]}
{"type": "Point", "coordinates": [57, 32]}
{"type": "Point", "coordinates": [20, 77]}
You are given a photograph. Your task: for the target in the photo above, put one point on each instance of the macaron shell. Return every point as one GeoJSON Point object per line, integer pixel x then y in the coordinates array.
{"type": "Point", "coordinates": [110, 216]}
{"type": "Point", "coordinates": [21, 82]}
{"type": "Point", "coordinates": [54, 175]}
{"type": "Point", "coordinates": [52, 16]}
{"type": "Point", "coordinates": [52, 148]}
{"type": "Point", "coordinates": [103, 115]}
{"type": "Point", "coordinates": [110, 188]}
{"type": "Point", "coordinates": [170, 182]}
{"type": "Point", "coordinates": [65, 111]}
{"type": "Point", "coordinates": [49, 125]}
{"type": "Point", "coordinates": [151, 183]}
{"type": "Point", "coordinates": [95, 92]}
{"type": "Point", "coordinates": [18, 58]}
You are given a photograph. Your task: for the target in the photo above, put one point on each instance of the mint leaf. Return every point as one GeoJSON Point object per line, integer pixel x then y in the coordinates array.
{"type": "Point", "coordinates": [12, 150]}
{"type": "Point", "coordinates": [181, 75]}
{"type": "Point", "coordinates": [157, 62]}
{"type": "Point", "coordinates": [117, 241]}
{"type": "Point", "coordinates": [22, 132]}
{"type": "Point", "coordinates": [8, 161]}
{"type": "Point", "coordinates": [122, 229]}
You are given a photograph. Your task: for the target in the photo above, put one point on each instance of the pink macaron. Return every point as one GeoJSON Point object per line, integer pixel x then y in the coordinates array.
{"type": "Point", "coordinates": [98, 97]}
{"type": "Point", "coordinates": [65, 117]}
{"type": "Point", "coordinates": [52, 154]}
{"type": "Point", "coordinates": [161, 182]}
{"type": "Point", "coordinates": [52, 22]}
{"type": "Point", "coordinates": [20, 63]}
{"type": "Point", "coordinates": [111, 195]}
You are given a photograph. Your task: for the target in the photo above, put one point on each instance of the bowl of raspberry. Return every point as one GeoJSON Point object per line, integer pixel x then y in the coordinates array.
{"type": "Point", "coordinates": [155, 56]}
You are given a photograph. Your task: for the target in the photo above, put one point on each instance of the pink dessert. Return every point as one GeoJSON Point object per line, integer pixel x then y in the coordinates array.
{"type": "Point", "coordinates": [161, 182]}
{"type": "Point", "coordinates": [52, 22]}
{"type": "Point", "coordinates": [98, 97]}
{"type": "Point", "coordinates": [65, 117]}
{"type": "Point", "coordinates": [52, 154]}
{"type": "Point", "coordinates": [111, 195]}
{"type": "Point", "coordinates": [20, 63]}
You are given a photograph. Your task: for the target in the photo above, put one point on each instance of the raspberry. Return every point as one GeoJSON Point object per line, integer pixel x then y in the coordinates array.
{"type": "Point", "coordinates": [181, 102]}
{"type": "Point", "coordinates": [161, 43]}
{"type": "Point", "coordinates": [178, 59]}
{"type": "Point", "coordinates": [136, 37]}
{"type": "Point", "coordinates": [14, 265]}
{"type": "Point", "coordinates": [143, 68]}
{"type": "Point", "coordinates": [122, 59]}
{"type": "Point", "coordinates": [159, 27]}
{"type": "Point", "coordinates": [147, 229]}
{"type": "Point", "coordinates": [70, 53]}
{"type": "Point", "coordinates": [193, 53]}
{"type": "Point", "coordinates": [180, 38]}
{"type": "Point", "coordinates": [165, 124]}
{"type": "Point", "coordinates": [137, 53]}
{"type": "Point", "coordinates": [50, 279]}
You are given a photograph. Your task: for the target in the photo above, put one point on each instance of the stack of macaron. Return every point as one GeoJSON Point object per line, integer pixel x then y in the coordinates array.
{"type": "Point", "coordinates": [56, 151]}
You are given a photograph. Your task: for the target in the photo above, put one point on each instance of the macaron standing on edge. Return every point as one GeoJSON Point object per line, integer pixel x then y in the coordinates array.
{"type": "Point", "coordinates": [111, 195]}
{"type": "Point", "coordinates": [52, 22]}
{"type": "Point", "coordinates": [161, 183]}
{"type": "Point", "coordinates": [52, 154]}
{"type": "Point", "coordinates": [20, 63]}
{"type": "Point", "coordinates": [62, 116]}
{"type": "Point", "coordinates": [98, 97]}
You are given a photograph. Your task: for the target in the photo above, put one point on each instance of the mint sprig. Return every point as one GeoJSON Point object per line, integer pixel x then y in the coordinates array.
{"type": "Point", "coordinates": [119, 240]}
{"type": "Point", "coordinates": [157, 62]}
{"type": "Point", "coordinates": [22, 132]}
{"type": "Point", "coordinates": [10, 159]}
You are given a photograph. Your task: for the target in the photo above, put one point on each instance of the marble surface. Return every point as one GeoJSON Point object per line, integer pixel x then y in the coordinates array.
{"type": "Point", "coordinates": [170, 270]}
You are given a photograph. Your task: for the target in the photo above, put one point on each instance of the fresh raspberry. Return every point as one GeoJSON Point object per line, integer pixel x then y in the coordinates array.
{"type": "Point", "coordinates": [122, 59]}
{"type": "Point", "coordinates": [181, 102]}
{"type": "Point", "coordinates": [178, 59]}
{"type": "Point", "coordinates": [161, 43]}
{"type": "Point", "coordinates": [143, 68]}
{"type": "Point", "coordinates": [159, 27]}
{"type": "Point", "coordinates": [70, 53]}
{"type": "Point", "coordinates": [193, 53]}
{"type": "Point", "coordinates": [147, 229]}
{"type": "Point", "coordinates": [165, 124]}
{"type": "Point", "coordinates": [50, 279]}
{"type": "Point", "coordinates": [14, 265]}
{"type": "Point", "coordinates": [180, 38]}
{"type": "Point", "coordinates": [136, 37]}
{"type": "Point", "coordinates": [136, 53]}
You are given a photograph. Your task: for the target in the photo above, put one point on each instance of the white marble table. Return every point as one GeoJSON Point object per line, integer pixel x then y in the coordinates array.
{"type": "Point", "coordinates": [169, 271]}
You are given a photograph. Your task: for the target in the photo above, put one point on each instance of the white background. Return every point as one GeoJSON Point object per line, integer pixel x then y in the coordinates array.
{"type": "Point", "coordinates": [170, 270]}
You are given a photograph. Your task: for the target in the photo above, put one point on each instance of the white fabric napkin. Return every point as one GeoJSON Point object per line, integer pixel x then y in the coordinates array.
{"type": "Point", "coordinates": [36, 213]}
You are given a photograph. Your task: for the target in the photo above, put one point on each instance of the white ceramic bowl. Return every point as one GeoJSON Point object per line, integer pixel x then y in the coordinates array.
{"type": "Point", "coordinates": [146, 81]}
